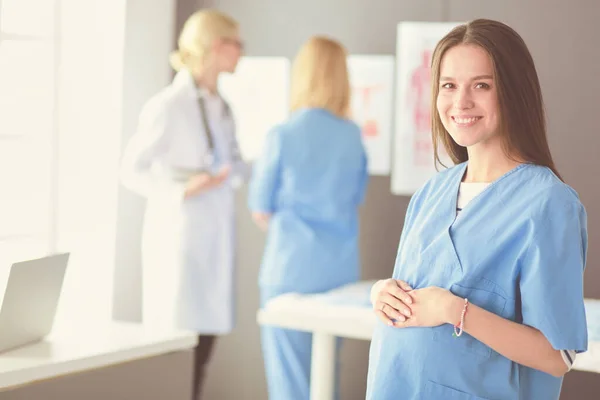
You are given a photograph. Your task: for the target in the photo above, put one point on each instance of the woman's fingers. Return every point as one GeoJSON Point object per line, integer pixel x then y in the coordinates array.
{"type": "Point", "coordinates": [403, 285]}
{"type": "Point", "coordinates": [400, 290]}
{"type": "Point", "coordinates": [398, 305]}
{"type": "Point", "coordinates": [392, 303]}
{"type": "Point", "coordinates": [388, 314]}
{"type": "Point", "coordinates": [390, 311]}
{"type": "Point", "coordinates": [384, 318]}
{"type": "Point", "coordinates": [393, 287]}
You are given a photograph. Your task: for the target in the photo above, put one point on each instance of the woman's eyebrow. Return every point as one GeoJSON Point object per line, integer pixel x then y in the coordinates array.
{"type": "Point", "coordinates": [475, 78]}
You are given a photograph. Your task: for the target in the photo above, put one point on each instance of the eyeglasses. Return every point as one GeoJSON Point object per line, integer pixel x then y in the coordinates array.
{"type": "Point", "coordinates": [238, 43]}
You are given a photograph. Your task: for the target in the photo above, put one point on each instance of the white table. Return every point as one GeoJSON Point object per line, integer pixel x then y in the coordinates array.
{"type": "Point", "coordinates": [67, 351]}
{"type": "Point", "coordinates": [347, 313]}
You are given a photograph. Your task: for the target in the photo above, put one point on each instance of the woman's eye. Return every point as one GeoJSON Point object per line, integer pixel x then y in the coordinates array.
{"type": "Point", "coordinates": [447, 86]}
{"type": "Point", "coordinates": [482, 86]}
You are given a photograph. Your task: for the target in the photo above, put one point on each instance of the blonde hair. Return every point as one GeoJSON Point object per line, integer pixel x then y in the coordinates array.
{"type": "Point", "coordinates": [320, 77]}
{"type": "Point", "coordinates": [199, 32]}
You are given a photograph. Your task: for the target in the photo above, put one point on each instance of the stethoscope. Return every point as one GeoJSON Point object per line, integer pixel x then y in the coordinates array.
{"type": "Point", "coordinates": [209, 156]}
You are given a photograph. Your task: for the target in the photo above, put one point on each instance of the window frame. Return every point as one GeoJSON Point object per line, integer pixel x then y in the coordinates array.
{"type": "Point", "coordinates": [49, 234]}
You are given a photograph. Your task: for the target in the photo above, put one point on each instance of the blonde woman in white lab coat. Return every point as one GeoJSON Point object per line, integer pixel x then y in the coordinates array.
{"type": "Point", "coordinates": [184, 158]}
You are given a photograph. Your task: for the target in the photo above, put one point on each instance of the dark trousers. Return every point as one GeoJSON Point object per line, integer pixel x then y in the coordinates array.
{"type": "Point", "coordinates": [201, 358]}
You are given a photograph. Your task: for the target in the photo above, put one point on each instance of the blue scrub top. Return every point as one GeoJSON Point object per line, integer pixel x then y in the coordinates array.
{"type": "Point", "coordinates": [312, 177]}
{"type": "Point", "coordinates": [518, 250]}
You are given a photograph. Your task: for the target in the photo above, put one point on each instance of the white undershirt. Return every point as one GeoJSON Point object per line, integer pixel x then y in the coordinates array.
{"type": "Point", "coordinates": [467, 192]}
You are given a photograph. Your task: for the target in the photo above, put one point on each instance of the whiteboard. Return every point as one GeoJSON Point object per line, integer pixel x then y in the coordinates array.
{"type": "Point", "coordinates": [258, 94]}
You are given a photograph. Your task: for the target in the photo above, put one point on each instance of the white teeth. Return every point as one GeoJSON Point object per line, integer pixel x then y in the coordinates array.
{"type": "Point", "coordinates": [465, 120]}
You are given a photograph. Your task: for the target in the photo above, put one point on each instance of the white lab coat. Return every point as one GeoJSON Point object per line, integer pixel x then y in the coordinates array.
{"type": "Point", "coordinates": [188, 244]}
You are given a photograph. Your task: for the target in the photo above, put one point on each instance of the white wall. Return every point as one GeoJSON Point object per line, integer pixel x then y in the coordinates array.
{"type": "Point", "coordinates": [149, 39]}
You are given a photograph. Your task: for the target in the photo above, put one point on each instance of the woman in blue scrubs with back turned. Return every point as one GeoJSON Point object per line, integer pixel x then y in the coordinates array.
{"type": "Point", "coordinates": [486, 300]}
{"type": "Point", "coordinates": [305, 190]}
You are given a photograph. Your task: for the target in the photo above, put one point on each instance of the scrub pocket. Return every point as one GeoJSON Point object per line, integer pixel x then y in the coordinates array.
{"type": "Point", "coordinates": [438, 392]}
{"type": "Point", "coordinates": [481, 293]}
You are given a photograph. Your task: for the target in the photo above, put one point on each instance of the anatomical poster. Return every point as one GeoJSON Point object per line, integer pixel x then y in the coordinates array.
{"type": "Point", "coordinates": [372, 81]}
{"type": "Point", "coordinates": [413, 146]}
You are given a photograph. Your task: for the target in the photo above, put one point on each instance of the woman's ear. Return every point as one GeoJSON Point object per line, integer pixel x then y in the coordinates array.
{"type": "Point", "coordinates": [185, 56]}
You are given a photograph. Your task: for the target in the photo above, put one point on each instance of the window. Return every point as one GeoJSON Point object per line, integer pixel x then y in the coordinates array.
{"type": "Point", "coordinates": [27, 126]}
{"type": "Point", "coordinates": [61, 67]}
{"type": "Point", "coordinates": [64, 104]}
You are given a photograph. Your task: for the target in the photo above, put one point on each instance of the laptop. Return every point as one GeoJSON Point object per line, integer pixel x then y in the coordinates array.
{"type": "Point", "coordinates": [30, 300]}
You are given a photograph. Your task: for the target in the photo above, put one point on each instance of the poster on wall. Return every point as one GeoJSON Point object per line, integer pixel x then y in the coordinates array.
{"type": "Point", "coordinates": [372, 80]}
{"type": "Point", "coordinates": [413, 147]}
{"type": "Point", "coordinates": [258, 94]}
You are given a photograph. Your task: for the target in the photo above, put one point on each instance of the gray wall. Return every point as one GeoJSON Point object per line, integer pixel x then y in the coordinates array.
{"type": "Point", "coordinates": [563, 39]}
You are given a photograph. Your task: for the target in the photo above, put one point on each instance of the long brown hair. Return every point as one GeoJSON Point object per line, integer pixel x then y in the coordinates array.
{"type": "Point", "coordinates": [522, 116]}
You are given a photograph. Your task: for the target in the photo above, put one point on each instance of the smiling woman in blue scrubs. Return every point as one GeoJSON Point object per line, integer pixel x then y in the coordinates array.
{"type": "Point", "coordinates": [305, 191]}
{"type": "Point", "coordinates": [486, 300]}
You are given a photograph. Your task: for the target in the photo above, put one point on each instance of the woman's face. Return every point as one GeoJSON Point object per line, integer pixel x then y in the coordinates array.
{"type": "Point", "coordinates": [228, 52]}
{"type": "Point", "coordinates": [467, 101]}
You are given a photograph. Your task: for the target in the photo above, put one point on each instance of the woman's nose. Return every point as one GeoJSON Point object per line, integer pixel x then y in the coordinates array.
{"type": "Point", "coordinates": [463, 99]}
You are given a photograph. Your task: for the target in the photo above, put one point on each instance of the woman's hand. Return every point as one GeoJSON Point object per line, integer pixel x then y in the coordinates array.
{"type": "Point", "coordinates": [261, 219]}
{"type": "Point", "coordinates": [433, 306]}
{"type": "Point", "coordinates": [391, 301]}
{"type": "Point", "coordinates": [204, 181]}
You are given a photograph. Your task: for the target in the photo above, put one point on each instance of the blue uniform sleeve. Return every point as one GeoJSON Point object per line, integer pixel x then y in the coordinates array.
{"type": "Point", "coordinates": [266, 176]}
{"type": "Point", "coordinates": [551, 278]}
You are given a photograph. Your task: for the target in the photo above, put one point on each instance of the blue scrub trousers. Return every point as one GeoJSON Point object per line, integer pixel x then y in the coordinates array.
{"type": "Point", "coordinates": [287, 357]}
